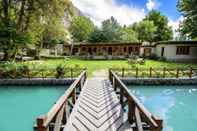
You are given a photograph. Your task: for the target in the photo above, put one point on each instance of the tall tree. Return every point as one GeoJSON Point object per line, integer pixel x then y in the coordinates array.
{"type": "Point", "coordinates": [145, 30]}
{"type": "Point", "coordinates": [111, 29]}
{"type": "Point", "coordinates": [128, 35]}
{"type": "Point", "coordinates": [23, 22]}
{"type": "Point", "coordinates": [164, 32]}
{"type": "Point", "coordinates": [97, 36]}
{"type": "Point", "coordinates": [188, 9]}
{"type": "Point", "coordinates": [81, 28]}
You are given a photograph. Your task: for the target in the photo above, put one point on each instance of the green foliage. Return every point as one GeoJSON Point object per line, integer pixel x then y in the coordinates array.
{"type": "Point", "coordinates": [111, 30]}
{"type": "Point", "coordinates": [91, 65]}
{"type": "Point", "coordinates": [163, 32]}
{"type": "Point", "coordinates": [26, 21]}
{"type": "Point", "coordinates": [146, 30]}
{"type": "Point", "coordinates": [81, 28]}
{"type": "Point", "coordinates": [54, 33]}
{"type": "Point", "coordinates": [188, 9]}
{"type": "Point", "coordinates": [23, 70]}
{"type": "Point", "coordinates": [97, 36]}
{"type": "Point", "coordinates": [60, 71]}
{"type": "Point", "coordinates": [128, 35]}
{"type": "Point", "coordinates": [11, 40]}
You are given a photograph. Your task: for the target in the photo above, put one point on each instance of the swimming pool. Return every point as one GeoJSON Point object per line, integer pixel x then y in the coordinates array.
{"type": "Point", "coordinates": [176, 105]}
{"type": "Point", "coordinates": [20, 106]}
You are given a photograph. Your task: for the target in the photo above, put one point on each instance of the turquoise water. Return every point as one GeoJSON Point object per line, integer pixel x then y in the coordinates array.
{"type": "Point", "coordinates": [177, 105]}
{"type": "Point", "coordinates": [20, 106]}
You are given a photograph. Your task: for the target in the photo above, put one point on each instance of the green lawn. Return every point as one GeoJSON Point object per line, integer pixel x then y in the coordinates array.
{"type": "Point", "coordinates": [93, 65]}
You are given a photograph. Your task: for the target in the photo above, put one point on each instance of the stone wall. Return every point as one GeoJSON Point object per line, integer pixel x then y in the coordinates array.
{"type": "Point", "coordinates": [158, 81]}
{"type": "Point", "coordinates": [36, 81]}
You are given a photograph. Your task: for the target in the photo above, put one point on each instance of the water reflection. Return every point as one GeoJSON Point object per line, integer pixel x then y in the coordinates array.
{"type": "Point", "coordinates": [171, 104]}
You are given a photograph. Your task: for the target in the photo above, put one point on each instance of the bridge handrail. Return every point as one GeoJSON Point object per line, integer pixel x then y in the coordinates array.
{"type": "Point", "coordinates": [134, 104]}
{"type": "Point", "coordinates": [187, 72]}
{"type": "Point", "coordinates": [44, 121]}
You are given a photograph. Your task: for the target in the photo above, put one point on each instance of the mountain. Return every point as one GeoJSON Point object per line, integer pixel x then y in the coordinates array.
{"type": "Point", "coordinates": [70, 12]}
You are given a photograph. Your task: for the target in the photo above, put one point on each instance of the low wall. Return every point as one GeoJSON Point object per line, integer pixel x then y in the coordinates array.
{"type": "Point", "coordinates": [36, 81]}
{"type": "Point", "coordinates": [158, 81]}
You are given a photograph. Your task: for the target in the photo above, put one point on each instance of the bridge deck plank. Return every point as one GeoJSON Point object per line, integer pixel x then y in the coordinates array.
{"type": "Point", "coordinates": [98, 111]}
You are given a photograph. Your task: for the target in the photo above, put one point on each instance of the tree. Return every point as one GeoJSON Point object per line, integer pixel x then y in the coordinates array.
{"type": "Point", "coordinates": [128, 35]}
{"type": "Point", "coordinates": [23, 22]}
{"type": "Point", "coordinates": [163, 32]}
{"type": "Point", "coordinates": [97, 36]}
{"type": "Point", "coordinates": [189, 11]}
{"type": "Point", "coordinates": [111, 30]}
{"type": "Point", "coordinates": [81, 28]}
{"type": "Point", "coordinates": [145, 30]}
{"type": "Point", "coordinates": [54, 34]}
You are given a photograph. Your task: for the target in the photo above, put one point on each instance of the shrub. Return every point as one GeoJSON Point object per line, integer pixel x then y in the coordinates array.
{"type": "Point", "coordinates": [10, 73]}
{"type": "Point", "coordinates": [162, 59]}
{"type": "Point", "coordinates": [153, 57]}
{"type": "Point", "coordinates": [23, 71]}
{"type": "Point", "coordinates": [60, 71]}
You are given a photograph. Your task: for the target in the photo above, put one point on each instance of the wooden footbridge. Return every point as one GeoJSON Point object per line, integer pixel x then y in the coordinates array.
{"type": "Point", "coordinates": [98, 104]}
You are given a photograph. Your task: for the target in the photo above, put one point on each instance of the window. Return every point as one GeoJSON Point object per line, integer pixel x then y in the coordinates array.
{"type": "Point", "coordinates": [110, 50]}
{"type": "Point", "coordinates": [130, 50]}
{"type": "Point", "coordinates": [83, 48]}
{"type": "Point", "coordinates": [95, 49]}
{"type": "Point", "coordinates": [125, 49]}
{"type": "Point", "coordinates": [182, 50]}
{"type": "Point", "coordinates": [162, 51]}
{"type": "Point", "coordinates": [136, 49]}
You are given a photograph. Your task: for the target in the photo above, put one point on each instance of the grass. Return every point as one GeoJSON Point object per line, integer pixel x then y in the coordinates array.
{"type": "Point", "coordinates": [94, 65]}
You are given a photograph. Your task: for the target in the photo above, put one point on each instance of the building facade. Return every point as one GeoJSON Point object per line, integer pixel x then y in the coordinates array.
{"type": "Point", "coordinates": [178, 51]}
{"type": "Point", "coordinates": [182, 51]}
{"type": "Point", "coordinates": [101, 50]}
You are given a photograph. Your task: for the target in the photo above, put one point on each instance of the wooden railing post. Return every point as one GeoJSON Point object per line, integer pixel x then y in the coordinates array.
{"type": "Point", "coordinates": [190, 72]}
{"type": "Point", "coordinates": [110, 76]}
{"type": "Point", "coordinates": [114, 83]}
{"type": "Point", "coordinates": [28, 73]}
{"type": "Point", "coordinates": [71, 73]}
{"type": "Point", "coordinates": [121, 95]}
{"type": "Point", "coordinates": [65, 116]}
{"type": "Point", "coordinates": [136, 72]}
{"type": "Point", "coordinates": [131, 111]}
{"type": "Point", "coordinates": [42, 74]}
{"type": "Point", "coordinates": [164, 72]}
{"type": "Point", "coordinates": [74, 96]}
{"type": "Point", "coordinates": [150, 71]}
{"type": "Point", "coordinates": [159, 123]}
{"type": "Point", "coordinates": [40, 123]}
{"type": "Point", "coordinates": [177, 73]}
{"type": "Point", "coordinates": [123, 72]}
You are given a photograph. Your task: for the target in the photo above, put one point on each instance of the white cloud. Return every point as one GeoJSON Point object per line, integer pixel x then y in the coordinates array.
{"type": "Point", "coordinates": [175, 24]}
{"type": "Point", "coordinates": [100, 10]}
{"type": "Point", "coordinates": [152, 4]}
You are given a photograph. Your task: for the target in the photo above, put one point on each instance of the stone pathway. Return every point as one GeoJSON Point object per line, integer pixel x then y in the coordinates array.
{"type": "Point", "coordinates": [101, 73]}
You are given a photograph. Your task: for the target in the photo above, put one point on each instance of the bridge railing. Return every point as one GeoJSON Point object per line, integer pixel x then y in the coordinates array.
{"type": "Point", "coordinates": [26, 72]}
{"type": "Point", "coordinates": [156, 72]}
{"type": "Point", "coordinates": [137, 113]}
{"type": "Point", "coordinates": [59, 113]}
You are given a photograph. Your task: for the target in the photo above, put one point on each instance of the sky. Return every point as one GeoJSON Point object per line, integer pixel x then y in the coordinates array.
{"type": "Point", "coordinates": [128, 11]}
